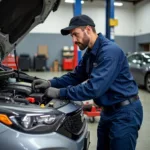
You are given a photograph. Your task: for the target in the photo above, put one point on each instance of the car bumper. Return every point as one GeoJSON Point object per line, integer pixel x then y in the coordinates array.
{"type": "Point", "coordinates": [12, 139]}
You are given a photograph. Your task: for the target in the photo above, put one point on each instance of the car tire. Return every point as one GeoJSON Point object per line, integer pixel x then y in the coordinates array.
{"type": "Point", "coordinates": [92, 119]}
{"type": "Point", "coordinates": [147, 83]}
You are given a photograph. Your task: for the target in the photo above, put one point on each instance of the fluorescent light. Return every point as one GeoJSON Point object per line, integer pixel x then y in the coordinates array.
{"type": "Point", "coordinates": [73, 1]}
{"type": "Point", "coordinates": [118, 4]}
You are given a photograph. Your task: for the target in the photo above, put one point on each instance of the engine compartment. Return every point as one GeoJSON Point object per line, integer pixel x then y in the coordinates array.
{"type": "Point", "coordinates": [21, 93]}
{"type": "Point", "coordinates": [16, 91]}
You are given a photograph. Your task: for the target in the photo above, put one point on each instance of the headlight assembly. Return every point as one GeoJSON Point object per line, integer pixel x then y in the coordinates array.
{"type": "Point", "coordinates": [29, 121]}
{"type": "Point", "coordinates": [37, 123]}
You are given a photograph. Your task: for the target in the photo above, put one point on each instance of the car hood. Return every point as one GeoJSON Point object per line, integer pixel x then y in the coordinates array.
{"type": "Point", "coordinates": [18, 18]}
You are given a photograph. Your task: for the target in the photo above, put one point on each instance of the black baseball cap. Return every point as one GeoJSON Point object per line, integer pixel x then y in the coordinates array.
{"type": "Point", "coordinates": [77, 21]}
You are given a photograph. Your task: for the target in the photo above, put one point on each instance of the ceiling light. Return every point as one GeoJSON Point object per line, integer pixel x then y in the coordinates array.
{"type": "Point", "coordinates": [118, 4]}
{"type": "Point", "coordinates": [73, 1]}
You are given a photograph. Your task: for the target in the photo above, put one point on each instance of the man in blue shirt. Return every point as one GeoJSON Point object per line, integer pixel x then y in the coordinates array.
{"type": "Point", "coordinates": [109, 83]}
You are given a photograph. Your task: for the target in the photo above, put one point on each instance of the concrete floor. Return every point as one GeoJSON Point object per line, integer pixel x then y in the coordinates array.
{"type": "Point", "coordinates": [143, 142]}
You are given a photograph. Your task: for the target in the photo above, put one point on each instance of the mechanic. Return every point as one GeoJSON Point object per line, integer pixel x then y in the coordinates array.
{"type": "Point", "coordinates": [105, 70]}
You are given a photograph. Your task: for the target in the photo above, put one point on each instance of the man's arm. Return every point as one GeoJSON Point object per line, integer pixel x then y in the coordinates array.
{"type": "Point", "coordinates": [72, 78]}
{"type": "Point", "coordinates": [102, 76]}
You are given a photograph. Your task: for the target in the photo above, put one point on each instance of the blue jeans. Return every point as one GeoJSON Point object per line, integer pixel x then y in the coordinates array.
{"type": "Point", "coordinates": [118, 130]}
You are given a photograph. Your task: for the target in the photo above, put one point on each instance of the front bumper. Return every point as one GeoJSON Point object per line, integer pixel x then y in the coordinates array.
{"type": "Point", "coordinates": [12, 139]}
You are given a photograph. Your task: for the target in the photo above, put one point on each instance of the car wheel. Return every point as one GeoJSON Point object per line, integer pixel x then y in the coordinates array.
{"type": "Point", "coordinates": [148, 82]}
{"type": "Point", "coordinates": [92, 119]}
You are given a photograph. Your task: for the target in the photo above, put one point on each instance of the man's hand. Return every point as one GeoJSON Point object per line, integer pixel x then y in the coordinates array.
{"type": "Point", "coordinates": [52, 92]}
{"type": "Point", "coordinates": [40, 84]}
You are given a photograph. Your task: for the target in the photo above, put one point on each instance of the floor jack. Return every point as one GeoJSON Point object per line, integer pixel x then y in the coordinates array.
{"type": "Point", "coordinates": [92, 111]}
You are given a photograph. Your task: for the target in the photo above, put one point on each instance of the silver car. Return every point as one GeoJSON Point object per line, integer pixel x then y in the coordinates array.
{"type": "Point", "coordinates": [28, 120]}
{"type": "Point", "coordinates": [139, 63]}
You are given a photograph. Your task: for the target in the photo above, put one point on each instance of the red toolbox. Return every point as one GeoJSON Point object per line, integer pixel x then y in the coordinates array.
{"type": "Point", "coordinates": [68, 64]}
{"type": "Point", "coordinates": [9, 61]}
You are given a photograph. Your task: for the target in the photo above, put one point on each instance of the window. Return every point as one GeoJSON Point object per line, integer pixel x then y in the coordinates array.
{"type": "Point", "coordinates": [135, 59]}
{"type": "Point", "coordinates": [130, 58]}
{"type": "Point", "coordinates": [146, 58]}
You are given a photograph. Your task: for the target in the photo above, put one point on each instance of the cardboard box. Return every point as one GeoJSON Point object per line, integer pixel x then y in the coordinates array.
{"type": "Point", "coordinates": [43, 50]}
{"type": "Point", "coordinates": [51, 69]}
{"type": "Point", "coordinates": [56, 65]}
{"type": "Point", "coordinates": [55, 69]}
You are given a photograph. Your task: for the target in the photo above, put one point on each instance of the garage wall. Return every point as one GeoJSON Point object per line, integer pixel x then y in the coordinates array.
{"type": "Point", "coordinates": [49, 32]}
{"type": "Point", "coordinates": [142, 17]}
{"type": "Point", "coordinates": [56, 21]}
{"type": "Point", "coordinates": [141, 39]}
{"type": "Point", "coordinates": [55, 44]}
{"type": "Point", "coordinates": [142, 22]}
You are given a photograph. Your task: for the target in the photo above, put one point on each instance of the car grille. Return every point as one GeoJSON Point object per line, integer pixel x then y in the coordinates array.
{"type": "Point", "coordinates": [75, 123]}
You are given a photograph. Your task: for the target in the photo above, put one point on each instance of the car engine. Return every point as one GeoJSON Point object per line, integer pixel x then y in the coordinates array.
{"type": "Point", "coordinates": [20, 92]}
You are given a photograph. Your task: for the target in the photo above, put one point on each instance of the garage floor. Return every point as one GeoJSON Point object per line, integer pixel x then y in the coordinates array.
{"type": "Point", "coordinates": [143, 142]}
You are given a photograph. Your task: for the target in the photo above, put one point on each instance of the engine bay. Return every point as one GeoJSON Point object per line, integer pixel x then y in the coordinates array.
{"type": "Point", "coordinates": [21, 93]}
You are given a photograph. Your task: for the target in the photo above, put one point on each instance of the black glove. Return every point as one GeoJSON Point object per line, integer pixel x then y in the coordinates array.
{"type": "Point", "coordinates": [52, 92]}
{"type": "Point", "coordinates": [40, 84]}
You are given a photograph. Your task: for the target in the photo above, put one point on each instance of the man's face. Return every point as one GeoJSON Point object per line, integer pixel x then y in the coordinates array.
{"type": "Point", "coordinates": [80, 37]}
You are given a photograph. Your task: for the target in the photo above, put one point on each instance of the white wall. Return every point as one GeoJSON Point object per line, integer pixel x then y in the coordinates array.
{"type": "Point", "coordinates": [96, 10]}
{"type": "Point", "coordinates": [142, 17]}
{"type": "Point", "coordinates": [55, 21]}
{"type": "Point", "coordinates": [124, 14]}
{"type": "Point", "coordinates": [126, 17]}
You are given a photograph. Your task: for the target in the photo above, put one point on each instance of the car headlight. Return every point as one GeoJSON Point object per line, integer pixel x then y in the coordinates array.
{"type": "Point", "coordinates": [28, 121]}
{"type": "Point", "coordinates": [37, 123]}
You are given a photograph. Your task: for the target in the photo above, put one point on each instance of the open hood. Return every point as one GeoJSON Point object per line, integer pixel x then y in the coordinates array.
{"type": "Point", "coordinates": [18, 18]}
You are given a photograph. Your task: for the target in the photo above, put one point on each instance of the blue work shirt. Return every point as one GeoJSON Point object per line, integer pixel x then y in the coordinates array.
{"type": "Point", "coordinates": [105, 71]}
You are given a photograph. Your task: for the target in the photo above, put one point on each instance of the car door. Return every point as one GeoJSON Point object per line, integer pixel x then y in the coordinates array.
{"type": "Point", "coordinates": [135, 63]}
